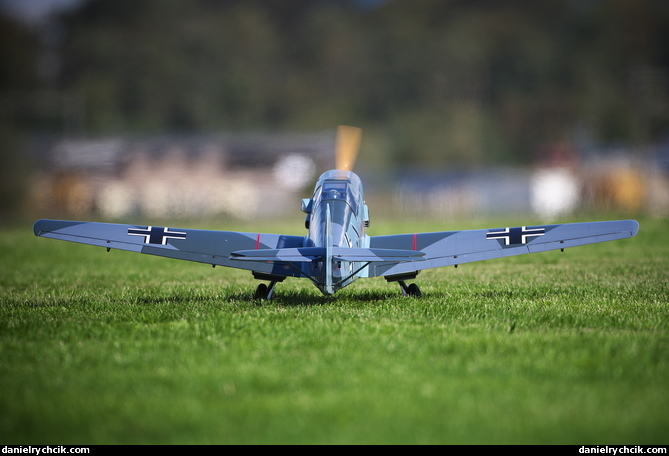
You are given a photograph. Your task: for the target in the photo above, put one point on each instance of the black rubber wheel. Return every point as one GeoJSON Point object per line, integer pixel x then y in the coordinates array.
{"type": "Point", "coordinates": [261, 292]}
{"type": "Point", "coordinates": [413, 290]}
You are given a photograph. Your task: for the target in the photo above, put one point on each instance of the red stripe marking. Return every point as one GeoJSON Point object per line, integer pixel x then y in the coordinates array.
{"type": "Point", "coordinates": [414, 240]}
{"type": "Point", "coordinates": [258, 242]}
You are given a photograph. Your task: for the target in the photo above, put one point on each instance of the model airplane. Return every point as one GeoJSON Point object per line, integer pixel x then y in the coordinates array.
{"type": "Point", "coordinates": [336, 250]}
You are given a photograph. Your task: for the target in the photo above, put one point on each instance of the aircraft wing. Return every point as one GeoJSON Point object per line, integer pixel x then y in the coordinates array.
{"type": "Point", "coordinates": [203, 246]}
{"type": "Point", "coordinates": [451, 248]}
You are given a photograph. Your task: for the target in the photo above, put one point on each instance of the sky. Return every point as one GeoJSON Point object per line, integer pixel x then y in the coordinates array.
{"type": "Point", "coordinates": [34, 11]}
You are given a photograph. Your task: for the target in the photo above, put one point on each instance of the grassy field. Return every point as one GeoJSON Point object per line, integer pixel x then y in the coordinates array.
{"type": "Point", "coordinates": [120, 348]}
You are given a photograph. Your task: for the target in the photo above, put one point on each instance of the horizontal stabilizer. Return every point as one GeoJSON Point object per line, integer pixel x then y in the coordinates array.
{"type": "Point", "coordinates": [308, 254]}
{"type": "Point", "coordinates": [394, 255]}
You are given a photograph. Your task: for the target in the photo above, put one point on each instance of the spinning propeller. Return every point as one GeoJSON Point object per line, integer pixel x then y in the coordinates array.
{"type": "Point", "coordinates": [348, 143]}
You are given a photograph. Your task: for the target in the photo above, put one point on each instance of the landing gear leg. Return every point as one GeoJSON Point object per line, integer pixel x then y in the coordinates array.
{"type": "Point", "coordinates": [264, 292]}
{"type": "Point", "coordinates": [410, 290]}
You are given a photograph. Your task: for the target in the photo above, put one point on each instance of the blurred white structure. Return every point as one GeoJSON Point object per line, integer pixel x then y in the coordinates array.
{"type": "Point", "coordinates": [555, 192]}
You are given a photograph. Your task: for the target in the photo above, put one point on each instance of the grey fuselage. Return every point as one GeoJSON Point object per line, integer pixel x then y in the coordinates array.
{"type": "Point", "coordinates": [336, 217]}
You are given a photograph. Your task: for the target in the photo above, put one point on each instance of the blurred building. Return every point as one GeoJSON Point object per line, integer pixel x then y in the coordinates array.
{"type": "Point", "coordinates": [264, 175]}
{"type": "Point", "coordinates": [561, 182]}
{"type": "Point", "coordinates": [241, 176]}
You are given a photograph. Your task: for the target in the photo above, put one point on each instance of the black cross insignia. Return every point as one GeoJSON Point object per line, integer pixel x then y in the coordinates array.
{"type": "Point", "coordinates": [156, 234]}
{"type": "Point", "coordinates": [517, 235]}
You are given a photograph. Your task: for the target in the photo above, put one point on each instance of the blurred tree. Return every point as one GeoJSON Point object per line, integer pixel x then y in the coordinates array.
{"type": "Point", "coordinates": [451, 82]}
{"type": "Point", "coordinates": [19, 51]}
{"type": "Point", "coordinates": [19, 55]}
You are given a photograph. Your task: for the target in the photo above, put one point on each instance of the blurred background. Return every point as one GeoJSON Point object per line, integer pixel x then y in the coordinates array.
{"type": "Point", "coordinates": [205, 109]}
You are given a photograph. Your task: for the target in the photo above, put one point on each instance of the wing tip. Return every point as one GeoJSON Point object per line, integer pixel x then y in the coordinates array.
{"type": "Point", "coordinates": [37, 227]}
{"type": "Point", "coordinates": [44, 226]}
{"type": "Point", "coordinates": [634, 227]}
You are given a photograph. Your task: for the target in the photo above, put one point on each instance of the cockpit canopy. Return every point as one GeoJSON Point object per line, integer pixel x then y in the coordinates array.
{"type": "Point", "coordinates": [342, 191]}
{"type": "Point", "coordinates": [338, 190]}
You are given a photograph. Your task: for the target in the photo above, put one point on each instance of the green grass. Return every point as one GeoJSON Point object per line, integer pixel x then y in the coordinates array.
{"type": "Point", "coordinates": [120, 348]}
